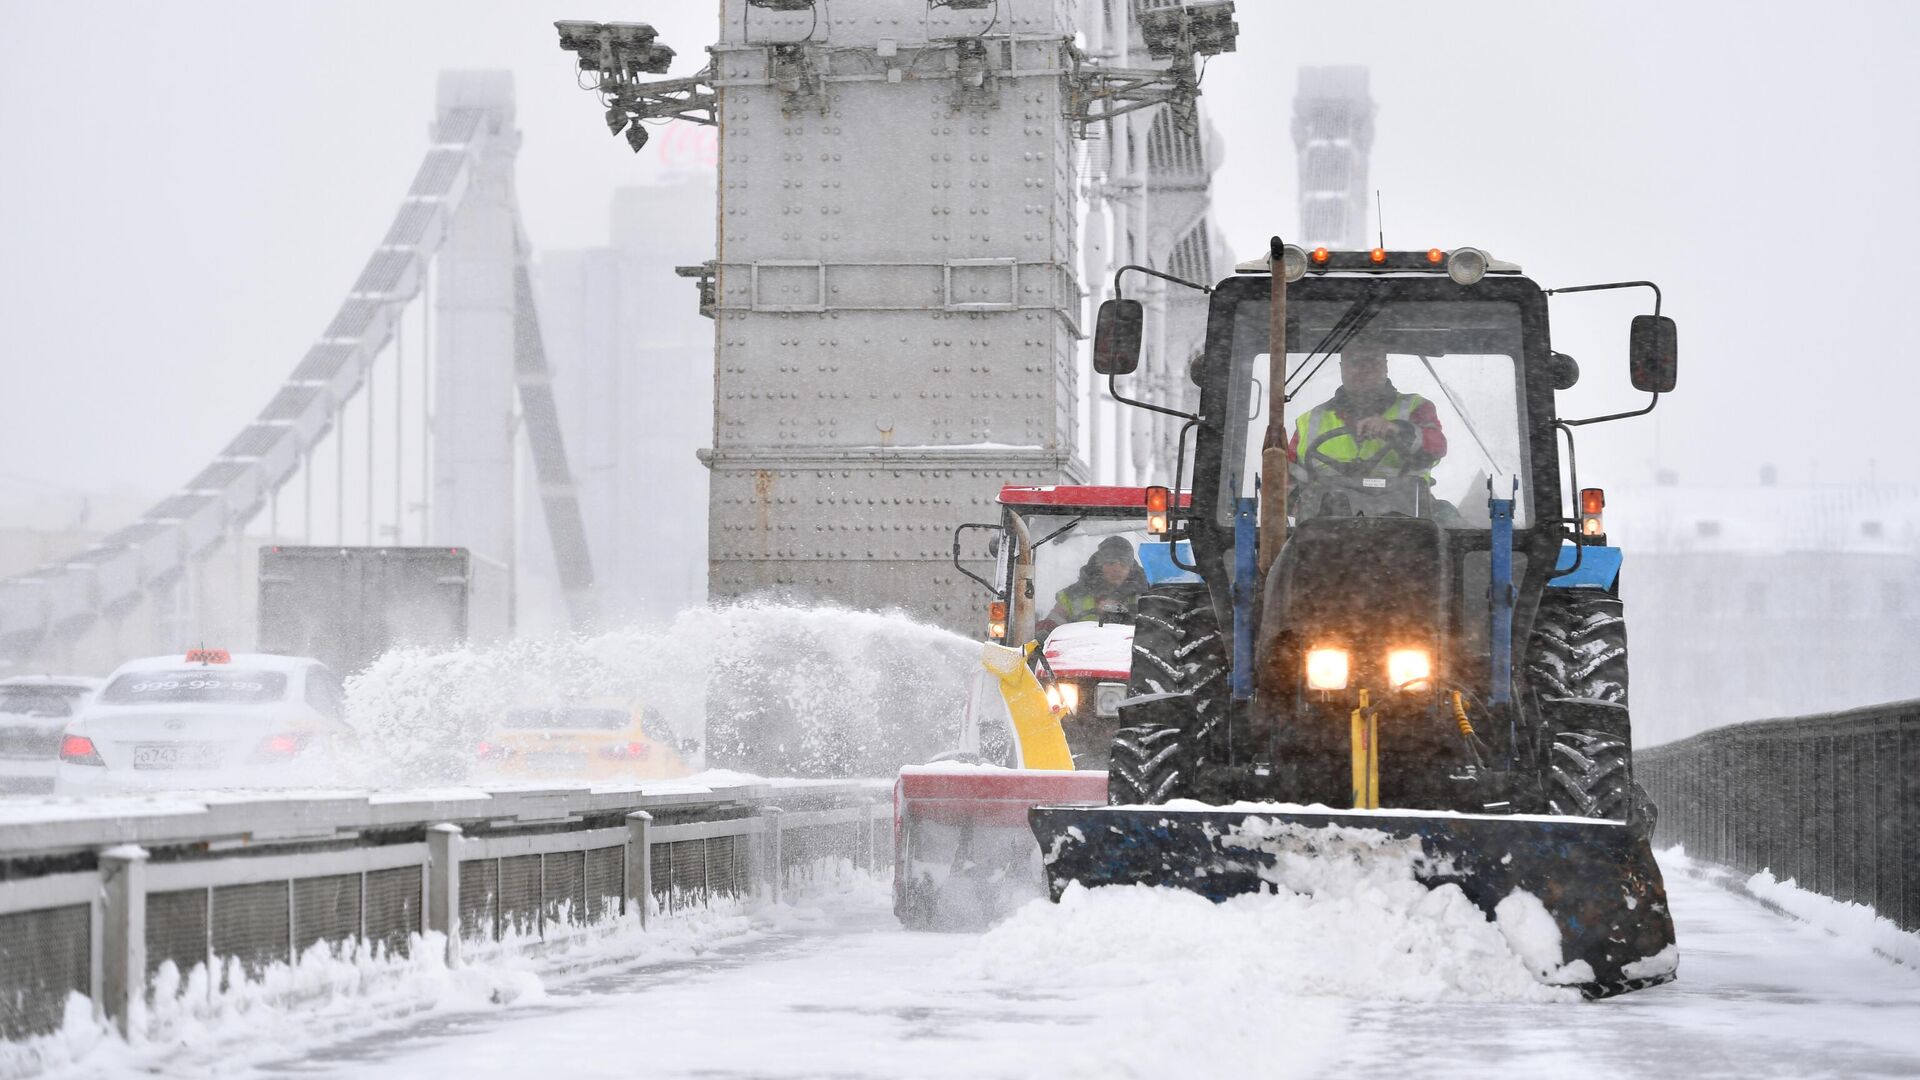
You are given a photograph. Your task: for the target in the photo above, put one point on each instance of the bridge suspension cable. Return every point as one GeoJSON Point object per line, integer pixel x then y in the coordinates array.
{"type": "Point", "coordinates": [158, 561]}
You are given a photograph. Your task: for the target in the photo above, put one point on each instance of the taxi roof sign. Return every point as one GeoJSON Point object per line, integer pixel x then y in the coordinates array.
{"type": "Point", "coordinates": [208, 656]}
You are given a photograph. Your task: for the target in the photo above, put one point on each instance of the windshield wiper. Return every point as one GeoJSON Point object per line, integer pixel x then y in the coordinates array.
{"type": "Point", "coordinates": [1350, 323]}
{"type": "Point", "coordinates": [1061, 531]}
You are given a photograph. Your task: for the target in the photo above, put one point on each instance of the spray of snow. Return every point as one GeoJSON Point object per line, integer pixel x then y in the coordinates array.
{"type": "Point", "coordinates": [766, 688]}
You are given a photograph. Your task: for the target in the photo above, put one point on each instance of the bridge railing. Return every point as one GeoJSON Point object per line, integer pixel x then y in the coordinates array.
{"type": "Point", "coordinates": [1831, 801]}
{"type": "Point", "coordinates": [97, 898]}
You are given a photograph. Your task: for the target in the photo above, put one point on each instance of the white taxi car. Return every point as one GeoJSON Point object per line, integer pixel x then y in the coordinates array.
{"type": "Point", "coordinates": [208, 719]}
{"type": "Point", "coordinates": [34, 711]}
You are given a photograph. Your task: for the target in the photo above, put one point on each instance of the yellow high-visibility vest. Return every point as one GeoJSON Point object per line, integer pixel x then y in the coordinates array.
{"type": "Point", "coordinates": [1323, 419]}
{"type": "Point", "coordinates": [1077, 605]}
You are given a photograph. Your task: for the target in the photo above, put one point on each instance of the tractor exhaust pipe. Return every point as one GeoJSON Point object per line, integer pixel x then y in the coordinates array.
{"type": "Point", "coordinates": [1273, 451]}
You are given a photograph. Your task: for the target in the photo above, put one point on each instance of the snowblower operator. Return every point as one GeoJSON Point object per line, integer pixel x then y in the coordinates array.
{"type": "Point", "coordinates": [1399, 434]}
{"type": "Point", "coordinates": [1110, 582]}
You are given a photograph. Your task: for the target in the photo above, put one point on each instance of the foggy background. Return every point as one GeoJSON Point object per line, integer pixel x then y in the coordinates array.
{"type": "Point", "coordinates": [189, 187]}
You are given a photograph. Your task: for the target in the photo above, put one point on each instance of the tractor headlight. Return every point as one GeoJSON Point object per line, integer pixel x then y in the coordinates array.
{"type": "Point", "coordinates": [1409, 669]}
{"type": "Point", "coordinates": [1064, 697]}
{"type": "Point", "coordinates": [1327, 669]}
{"type": "Point", "coordinates": [1293, 262]}
{"type": "Point", "coordinates": [1467, 265]}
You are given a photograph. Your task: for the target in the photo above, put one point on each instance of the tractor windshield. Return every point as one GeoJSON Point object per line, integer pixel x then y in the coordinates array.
{"type": "Point", "coordinates": [1087, 569]}
{"type": "Point", "coordinates": [1395, 407]}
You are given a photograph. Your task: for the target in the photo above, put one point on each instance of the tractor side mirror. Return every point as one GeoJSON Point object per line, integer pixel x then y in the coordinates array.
{"type": "Point", "coordinates": [1653, 353]}
{"type": "Point", "coordinates": [995, 534]}
{"type": "Point", "coordinates": [1563, 371]}
{"type": "Point", "coordinates": [1116, 337]}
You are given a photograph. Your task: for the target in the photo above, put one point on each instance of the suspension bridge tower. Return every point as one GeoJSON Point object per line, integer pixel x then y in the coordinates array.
{"type": "Point", "coordinates": [1332, 138]}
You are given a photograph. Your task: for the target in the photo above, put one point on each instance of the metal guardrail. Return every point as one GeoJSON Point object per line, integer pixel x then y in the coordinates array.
{"type": "Point", "coordinates": [1831, 801]}
{"type": "Point", "coordinates": [99, 904]}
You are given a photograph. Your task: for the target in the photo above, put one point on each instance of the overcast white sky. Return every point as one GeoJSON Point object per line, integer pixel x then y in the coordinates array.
{"type": "Point", "coordinates": [188, 188]}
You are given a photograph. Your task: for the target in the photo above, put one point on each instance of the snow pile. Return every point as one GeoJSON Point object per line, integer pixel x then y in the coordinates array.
{"type": "Point", "coordinates": [774, 690]}
{"type": "Point", "coordinates": [203, 1020]}
{"type": "Point", "coordinates": [1858, 924]}
{"type": "Point", "coordinates": [1349, 919]}
{"type": "Point", "coordinates": [81, 1037]}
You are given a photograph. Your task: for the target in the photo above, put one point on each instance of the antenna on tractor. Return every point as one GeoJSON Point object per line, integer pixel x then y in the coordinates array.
{"type": "Point", "coordinates": [1380, 219]}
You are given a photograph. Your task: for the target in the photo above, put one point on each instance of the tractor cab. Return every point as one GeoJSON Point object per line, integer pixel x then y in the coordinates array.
{"type": "Point", "coordinates": [1070, 564]}
{"type": "Point", "coordinates": [1378, 509]}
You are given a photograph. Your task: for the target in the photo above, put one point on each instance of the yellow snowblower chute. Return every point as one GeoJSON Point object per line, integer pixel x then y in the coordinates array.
{"type": "Point", "coordinates": [1036, 730]}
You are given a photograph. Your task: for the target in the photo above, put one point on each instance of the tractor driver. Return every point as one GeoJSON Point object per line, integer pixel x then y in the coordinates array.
{"type": "Point", "coordinates": [1397, 434]}
{"type": "Point", "coordinates": [1109, 582]}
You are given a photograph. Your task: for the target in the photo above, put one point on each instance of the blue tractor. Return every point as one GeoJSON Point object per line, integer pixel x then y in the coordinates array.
{"type": "Point", "coordinates": [1407, 629]}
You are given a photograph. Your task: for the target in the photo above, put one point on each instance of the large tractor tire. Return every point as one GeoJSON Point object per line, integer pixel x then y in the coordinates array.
{"type": "Point", "coordinates": [1149, 764]}
{"type": "Point", "coordinates": [1177, 648]}
{"type": "Point", "coordinates": [1579, 646]}
{"type": "Point", "coordinates": [1589, 774]}
{"type": "Point", "coordinates": [1578, 667]}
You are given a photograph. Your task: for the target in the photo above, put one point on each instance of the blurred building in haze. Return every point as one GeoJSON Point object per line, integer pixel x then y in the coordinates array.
{"type": "Point", "coordinates": [632, 364]}
{"type": "Point", "coordinates": [1752, 602]}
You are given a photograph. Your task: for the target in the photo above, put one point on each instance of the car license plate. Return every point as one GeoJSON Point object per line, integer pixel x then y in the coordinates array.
{"type": "Point", "coordinates": [176, 755]}
{"type": "Point", "coordinates": [556, 759]}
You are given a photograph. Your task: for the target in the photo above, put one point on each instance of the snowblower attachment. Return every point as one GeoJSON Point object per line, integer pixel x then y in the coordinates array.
{"type": "Point", "coordinates": [1596, 879]}
{"type": "Point", "coordinates": [963, 854]}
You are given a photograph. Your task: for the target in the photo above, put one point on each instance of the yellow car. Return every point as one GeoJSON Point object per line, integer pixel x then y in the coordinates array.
{"type": "Point", "coordinates": [597, 740]}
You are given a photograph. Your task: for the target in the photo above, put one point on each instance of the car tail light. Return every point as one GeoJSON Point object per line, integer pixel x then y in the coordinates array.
{"type": "Point", "coordinates": [633, 751]}
{"type": "Point", "coordinates": [78, 750]}
{"type": "Point", "coordinates": [281, 747]}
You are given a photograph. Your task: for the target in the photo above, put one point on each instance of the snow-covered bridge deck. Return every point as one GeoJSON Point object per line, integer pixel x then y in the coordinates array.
{"type": "Point", "coordinates": [844, 992]}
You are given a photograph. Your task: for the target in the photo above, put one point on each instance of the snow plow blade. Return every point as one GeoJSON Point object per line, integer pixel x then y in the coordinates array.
{"type": "Point", "coordinates": [1597, 879]}
{"type": "Point", "coordinates": [963, 853]}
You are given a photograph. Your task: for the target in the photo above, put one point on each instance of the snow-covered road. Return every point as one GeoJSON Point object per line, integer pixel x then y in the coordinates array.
{"type": "Point", "coordinates": [846, 993]}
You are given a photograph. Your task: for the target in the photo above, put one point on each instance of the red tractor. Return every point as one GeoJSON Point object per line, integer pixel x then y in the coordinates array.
{"type": "Point", "coordinates": [1070, 565]}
